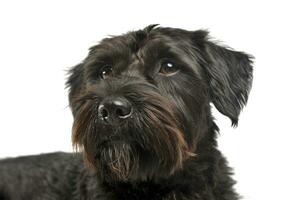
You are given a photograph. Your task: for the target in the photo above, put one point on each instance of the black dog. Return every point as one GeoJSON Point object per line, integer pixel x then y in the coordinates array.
{"type": "Point", "coordinates": [142, 118]}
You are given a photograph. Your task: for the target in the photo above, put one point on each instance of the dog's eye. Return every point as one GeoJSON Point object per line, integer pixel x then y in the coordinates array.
{"type": "Point", "coordinates": [106, 71]}
{"type": "Point", "coordinates": [168, 68]}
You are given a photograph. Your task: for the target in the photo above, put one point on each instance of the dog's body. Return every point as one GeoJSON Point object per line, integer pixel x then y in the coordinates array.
{"type": "Point", "coordinates": [142, 118]}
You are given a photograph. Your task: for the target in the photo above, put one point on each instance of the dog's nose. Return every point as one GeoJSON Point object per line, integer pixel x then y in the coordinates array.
{"type": "Point", "coordinates": [114, 110]}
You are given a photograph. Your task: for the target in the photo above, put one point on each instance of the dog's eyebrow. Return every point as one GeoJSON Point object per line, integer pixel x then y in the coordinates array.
{"type": "Point", "coordinates": [181, 52]}
{"type": "Point", "coordinates": [187, 58]}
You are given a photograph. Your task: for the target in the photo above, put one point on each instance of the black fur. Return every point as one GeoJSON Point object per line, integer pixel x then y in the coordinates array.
{"type": "Point", "coordinates": [167, 148]}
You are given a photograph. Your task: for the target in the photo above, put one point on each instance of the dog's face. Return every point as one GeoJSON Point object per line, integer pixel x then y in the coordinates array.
{"type": "Point", "coordinates": [141, 100]}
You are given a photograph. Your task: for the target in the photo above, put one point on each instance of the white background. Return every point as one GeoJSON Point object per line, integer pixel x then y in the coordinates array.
{"type": "Point", "coordinates": [39, 40]}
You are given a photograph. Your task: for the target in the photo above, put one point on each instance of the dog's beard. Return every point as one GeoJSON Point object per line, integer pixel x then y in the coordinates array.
{"type": "Point", "coordinates": [150, 145]}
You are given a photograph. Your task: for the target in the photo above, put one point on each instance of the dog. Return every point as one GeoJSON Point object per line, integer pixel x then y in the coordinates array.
{"type": "Point", "coordinates": [143, 127]}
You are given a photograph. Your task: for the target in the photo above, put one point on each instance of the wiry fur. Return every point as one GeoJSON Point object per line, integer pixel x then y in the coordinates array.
{"type": "Point", "coordinates": [153, 130]}
{"type": "Point", "coordinates": [167, 148]}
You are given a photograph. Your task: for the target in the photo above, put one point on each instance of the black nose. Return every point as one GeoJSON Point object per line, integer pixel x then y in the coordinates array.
{"type": "Point", "coordinates": [114, 110]}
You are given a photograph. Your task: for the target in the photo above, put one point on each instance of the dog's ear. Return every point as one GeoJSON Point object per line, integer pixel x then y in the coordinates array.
{"type": "Point", "coordinates": [229, 75]}
{"type": "Point", "coordinates": [74, 83]}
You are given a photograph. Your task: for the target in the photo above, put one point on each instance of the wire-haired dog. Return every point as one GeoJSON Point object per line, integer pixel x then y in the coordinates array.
{"type": "Point", "coordinates": [141, 106]}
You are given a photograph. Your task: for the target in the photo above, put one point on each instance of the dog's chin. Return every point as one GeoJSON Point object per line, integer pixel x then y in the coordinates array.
{"type": "Point", "coordinates": [115, 160]}
{"type": "Point", "coordinates": [121, 161]}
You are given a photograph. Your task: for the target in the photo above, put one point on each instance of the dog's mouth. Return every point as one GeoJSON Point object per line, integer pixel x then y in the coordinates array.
{"type": "Point", "coordinates": [115, 141]}
{"type": "Point", "coordinates": [147, 145]}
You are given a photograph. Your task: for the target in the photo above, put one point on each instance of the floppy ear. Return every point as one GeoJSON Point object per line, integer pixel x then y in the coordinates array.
{"type": "Point", "coordinates": [74, 83]}
{"type": "Point", "coordinates": [229, 76]}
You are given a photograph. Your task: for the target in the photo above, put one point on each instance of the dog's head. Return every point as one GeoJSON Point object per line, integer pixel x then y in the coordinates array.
{"type": "Point", "coordinates": [141, 100]}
